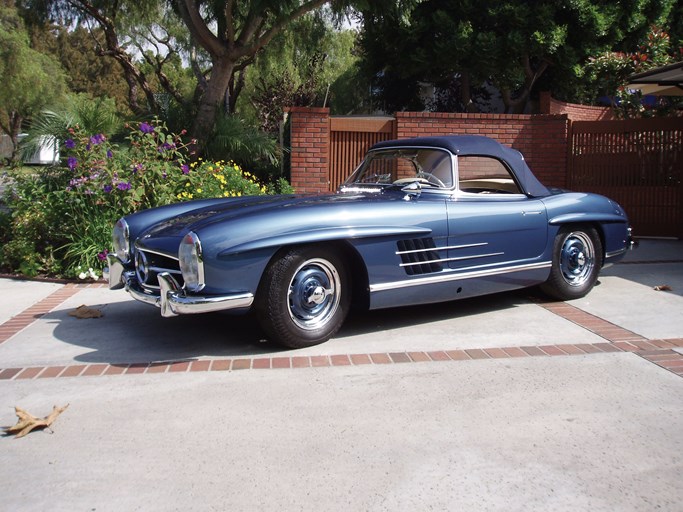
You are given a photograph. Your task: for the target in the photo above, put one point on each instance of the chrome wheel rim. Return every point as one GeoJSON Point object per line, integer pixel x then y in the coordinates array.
{"type": "Point", "coordinates": [577, 259]}
{"type": "Point", "coordinates": [314, 294]}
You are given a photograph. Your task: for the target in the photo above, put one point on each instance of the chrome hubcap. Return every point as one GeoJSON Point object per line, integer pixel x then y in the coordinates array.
{"type": "Point", "coordinates": [577, 259]}
{"type": "Point", "coordinates": [314, 294]}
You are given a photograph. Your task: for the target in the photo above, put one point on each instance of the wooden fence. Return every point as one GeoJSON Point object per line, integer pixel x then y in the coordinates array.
{"type": "Point", "coordinates": [638, 163]}
{"type": "Point", "coordinates": [350, 138]}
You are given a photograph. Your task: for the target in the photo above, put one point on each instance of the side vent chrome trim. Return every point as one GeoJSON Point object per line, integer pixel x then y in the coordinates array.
{"type": "Point", "coordinates": [419, 256]}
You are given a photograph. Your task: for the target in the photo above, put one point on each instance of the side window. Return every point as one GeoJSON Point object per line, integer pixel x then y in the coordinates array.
{"type": "Point", "coordinates": [485, 175]}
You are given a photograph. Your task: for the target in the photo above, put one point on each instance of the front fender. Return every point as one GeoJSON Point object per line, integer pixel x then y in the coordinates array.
{"type": "Point", "coordinates": [324, 235]}
{"type": "Point", "coordinates": [584, 217]}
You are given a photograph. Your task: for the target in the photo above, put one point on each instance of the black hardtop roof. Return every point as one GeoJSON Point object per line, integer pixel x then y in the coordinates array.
{"type": "Point", "coordinates": [475, 145]}
{"type": "Point", "coordinates": [456, 144]}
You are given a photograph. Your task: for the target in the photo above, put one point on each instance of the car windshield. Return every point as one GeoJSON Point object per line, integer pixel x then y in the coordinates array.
{"type": "Point", "coordinates": [431, 167]}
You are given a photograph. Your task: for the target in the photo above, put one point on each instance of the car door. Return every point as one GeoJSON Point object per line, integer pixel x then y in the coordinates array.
{"type": "Point", "coordinates": [491, 223]}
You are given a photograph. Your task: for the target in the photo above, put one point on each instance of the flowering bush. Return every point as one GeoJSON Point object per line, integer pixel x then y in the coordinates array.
{"type": "Point", "coordinates": [203, 179]}
{"type": "Point", "coordinates": [61, 219]}
{"type": "Point", "coordinates": [610, 72]}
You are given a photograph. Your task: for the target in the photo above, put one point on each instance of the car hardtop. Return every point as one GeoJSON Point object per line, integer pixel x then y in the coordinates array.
{"type": "Point", "coordinates": [475, 145]}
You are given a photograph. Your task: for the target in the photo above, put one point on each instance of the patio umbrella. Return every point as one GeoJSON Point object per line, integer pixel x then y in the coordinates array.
{"type": "Point", "coordinates": [662, 81]}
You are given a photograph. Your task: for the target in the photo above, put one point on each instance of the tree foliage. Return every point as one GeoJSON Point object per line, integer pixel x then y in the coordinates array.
{"type": "Point", "coordinates": [306, 65]}
{"type": "Point", "coordinates": [607, 75]}
{"type": "Point", "coordinates": [218, 38]}
{"type": "Point", "coordinates": [513, 44]}
{"type": "Point", "coordinates": [31, 80]}
{"type": "Point", "coordinates": [85, 71]}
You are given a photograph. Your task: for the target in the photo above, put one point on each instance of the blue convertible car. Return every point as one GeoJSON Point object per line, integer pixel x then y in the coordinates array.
{"type": "Point", "coordinates": [420, 220]}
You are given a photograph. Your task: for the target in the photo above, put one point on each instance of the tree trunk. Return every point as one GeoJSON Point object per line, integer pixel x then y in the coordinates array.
{"type": "Point", "coordinates": [212, 100]}
{"type": "Point", "coordinates": [466, 93]}
{"type": "Point", "coordinates": [13, 130]}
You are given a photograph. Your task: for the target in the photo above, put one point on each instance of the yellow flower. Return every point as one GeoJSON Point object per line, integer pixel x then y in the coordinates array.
{"type": "Point", "coordinates": [199, 191]}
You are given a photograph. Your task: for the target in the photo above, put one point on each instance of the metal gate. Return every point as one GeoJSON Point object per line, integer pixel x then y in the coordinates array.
{"type": "Point", "coordinates": [638, 163]}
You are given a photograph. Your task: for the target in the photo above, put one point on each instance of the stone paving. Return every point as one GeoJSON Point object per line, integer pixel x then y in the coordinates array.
{"type": "Point", "coordinates": [504, 403]}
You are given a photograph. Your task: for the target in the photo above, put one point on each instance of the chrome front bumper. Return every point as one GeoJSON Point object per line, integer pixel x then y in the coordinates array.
{"type": "Point", "coordinates": [172, 299]}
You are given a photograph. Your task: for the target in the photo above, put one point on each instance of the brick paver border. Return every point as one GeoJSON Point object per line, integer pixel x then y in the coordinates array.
{"type": "Point", "coordinates": [666, 358]}
{"type": "Point", "coordinates": [40, 308]}
{"type": "Point", "coordinates": [617, 339]}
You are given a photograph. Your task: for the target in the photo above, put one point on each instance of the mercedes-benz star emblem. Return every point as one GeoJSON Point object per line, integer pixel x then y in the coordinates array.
{"type": "Point", "coordinates": [141, 267]}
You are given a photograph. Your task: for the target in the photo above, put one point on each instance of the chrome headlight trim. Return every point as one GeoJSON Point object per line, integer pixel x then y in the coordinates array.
{"type": "Point", "coordinates": [191, 263]}
{"type": "Point", "coordinates": [121, 240]}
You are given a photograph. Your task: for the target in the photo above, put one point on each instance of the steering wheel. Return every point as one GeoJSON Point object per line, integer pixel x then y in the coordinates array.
{"type": "Point", "coordinates": [431, 179]}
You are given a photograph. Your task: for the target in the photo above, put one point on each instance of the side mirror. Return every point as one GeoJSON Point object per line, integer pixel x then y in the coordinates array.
{"type": "Point", "coordinates": [411, 190]}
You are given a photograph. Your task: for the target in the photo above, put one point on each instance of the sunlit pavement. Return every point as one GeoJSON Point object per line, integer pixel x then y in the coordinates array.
{"type": "Point", "coordinates": [506, 402]}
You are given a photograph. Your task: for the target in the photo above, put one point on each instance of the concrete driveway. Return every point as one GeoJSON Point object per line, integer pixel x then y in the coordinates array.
{"type": "Point", "coordinates": [499, 403]}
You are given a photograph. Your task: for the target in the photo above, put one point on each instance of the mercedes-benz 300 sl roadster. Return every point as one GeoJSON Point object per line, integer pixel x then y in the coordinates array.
{"type": "Point", "coordinates": [419, 221]}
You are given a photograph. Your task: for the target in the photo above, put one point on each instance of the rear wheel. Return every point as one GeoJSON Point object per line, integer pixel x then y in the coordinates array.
{"type": "Point", "coordinates": [577, 254]}
{"type": "Point", "coordinates": [304, 296]}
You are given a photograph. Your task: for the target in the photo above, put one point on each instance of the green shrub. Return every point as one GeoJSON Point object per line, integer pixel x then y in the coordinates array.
{"type": "Point", "coordinates": [61, 217]}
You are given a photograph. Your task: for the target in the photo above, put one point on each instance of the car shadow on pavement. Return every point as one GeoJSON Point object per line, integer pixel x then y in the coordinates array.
{"type": "Point", "coordinates": [364, 322]}
{"type": "Point", "coordinates": [131, 332]}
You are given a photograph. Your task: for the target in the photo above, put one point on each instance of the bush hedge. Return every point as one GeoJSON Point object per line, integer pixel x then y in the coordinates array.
{"type": "Point", "coordinates": [61, 217]}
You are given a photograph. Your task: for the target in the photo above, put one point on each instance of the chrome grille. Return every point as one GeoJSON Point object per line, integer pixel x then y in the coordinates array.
{"type": "Point", "coordinates": [148, 266]}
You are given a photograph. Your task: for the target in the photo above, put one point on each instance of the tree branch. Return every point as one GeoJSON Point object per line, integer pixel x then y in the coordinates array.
{"type": "Point", "coordinates": [264, 38]}
{"type": "Point", "coordinates": [198, 28]}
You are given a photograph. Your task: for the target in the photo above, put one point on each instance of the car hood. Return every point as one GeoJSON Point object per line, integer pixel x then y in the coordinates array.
{"type": "Point", "coordinates": [238, 224]}
{"type": "Point", "coordinates": [230, 208]}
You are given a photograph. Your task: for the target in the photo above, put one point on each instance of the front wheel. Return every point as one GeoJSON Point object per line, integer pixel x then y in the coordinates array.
{"type": "Point", "coordinates": [304, 297]}
{"type": "Point", "coordinates": [577, 255]}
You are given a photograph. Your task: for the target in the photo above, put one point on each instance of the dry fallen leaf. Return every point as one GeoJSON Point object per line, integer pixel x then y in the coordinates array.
{"type": "Point", "coordinates": [663, 288]}
{"type": "Point", "coordinates": [84, 311]}
{"type": "Point", "coordinates": [27, 422]}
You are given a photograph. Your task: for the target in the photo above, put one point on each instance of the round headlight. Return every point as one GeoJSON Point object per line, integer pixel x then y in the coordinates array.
{"type": "Point", "coordinates": [191, 266]}
{"type": "Point", "coordinates": [121, 240]}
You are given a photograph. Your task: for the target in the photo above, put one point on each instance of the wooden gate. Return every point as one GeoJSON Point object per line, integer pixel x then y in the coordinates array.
{"type": "Point", "coordinates": [350, 138]}
{"type": "Point", "coordinates": [638, 163]}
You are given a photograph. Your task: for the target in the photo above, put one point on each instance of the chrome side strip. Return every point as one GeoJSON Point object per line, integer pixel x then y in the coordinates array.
{"type": "Point", "coordinates": [619, 252]}
{"type": "Point", "coordinates": [452, 259]}
{"type": "Point", "coordinates": [457, 276]}
{"type": "Point", "coordinates": [436, 249]}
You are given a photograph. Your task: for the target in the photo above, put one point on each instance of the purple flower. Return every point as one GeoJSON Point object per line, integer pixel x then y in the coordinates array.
{"type": "Point", "coordinates": [72, 162]}
{"type": "Point", "coordinates": [185, 168]}
{"type": "Point", "coordinates": [124, 186]}
{"type": "Point", "coordinates": [110, 154]}
{"type": "Point", "coordinates": [97, 139]}
{"type": "Point", "coordinates": [69, 144]}
{"type": "Point", "coordinates": [102, 256]}
{"type": "Point", "coordinates": [165, 147]}
{"type": "Point", "coordinates": [108, 189]}
{"type": "Point", "coordinates": [146, 128]}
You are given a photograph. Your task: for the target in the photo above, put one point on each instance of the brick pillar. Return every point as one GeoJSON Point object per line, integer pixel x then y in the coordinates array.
{"type": "Point", "coordinates": [310, 157]}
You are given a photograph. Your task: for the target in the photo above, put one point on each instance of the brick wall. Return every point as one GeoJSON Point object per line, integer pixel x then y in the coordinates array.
{"type": "Point", "coordinates": [542, 139]}
{"type": "Point", "coordinates": [310, 140]}
{"type": "Point", "coordinates": [549, 105]}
